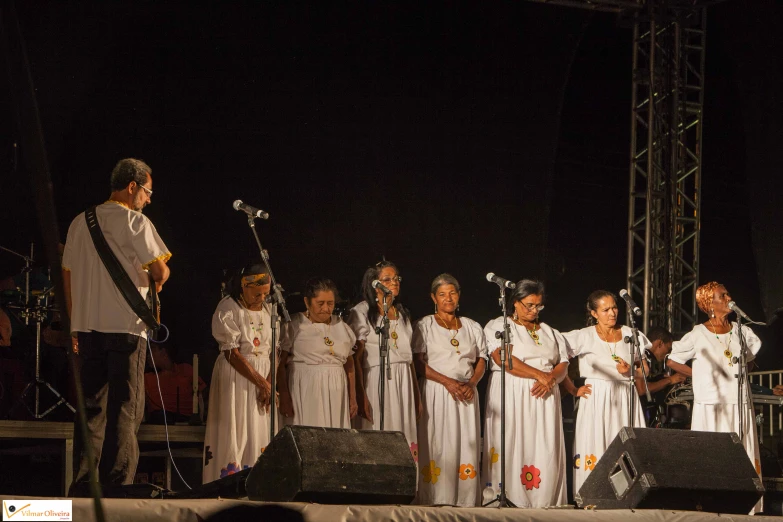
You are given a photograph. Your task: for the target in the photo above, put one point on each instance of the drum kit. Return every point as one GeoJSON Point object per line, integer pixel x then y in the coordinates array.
{"type": "Point", "coordinates": [31, 307]}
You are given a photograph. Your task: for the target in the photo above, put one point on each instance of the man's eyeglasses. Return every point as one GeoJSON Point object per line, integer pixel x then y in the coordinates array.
{"type": "Point", "coordinates": [148, 191]}
{"type": "Point", "coordinates": [387, 280]}
{"type": "Point", "coordinates": [532, 307]}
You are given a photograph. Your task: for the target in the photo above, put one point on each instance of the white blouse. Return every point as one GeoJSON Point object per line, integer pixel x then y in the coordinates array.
{"type": "Point", "coordinates": [306, 341]}
{"type": "Point", "coordinates": [714, 381]}
{"type": "Point", "coordinates": [545, 356]}
{"type": "Point", "coordinates": [595, 354]}
{"type": "Point", "coordinates": [234, 326]}
{"type": "Point", "coordinates": [435, 341]}
{"type": "Point", "coordinates": [399, 348]}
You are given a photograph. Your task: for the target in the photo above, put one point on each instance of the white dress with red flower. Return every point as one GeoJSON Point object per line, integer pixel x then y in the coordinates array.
{"type": "Point", "coordinates": [601, 414]}
{"type": "Point", "coordinates": [400, 399]}
{"type": "Point", "coordinates": [535, 450]}
{"type": "Point", "coordinates": [449, 451]}
{"type": "Point", "coordinates": [237, 428]}
{"type": "Point", "coordinates": [715, 398]}
{"type": "Point", "coordinates": [316, 377]}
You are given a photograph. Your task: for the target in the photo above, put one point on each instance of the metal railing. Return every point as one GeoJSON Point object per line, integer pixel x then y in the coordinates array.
{"type": "Point", "coordinates": [769, 379]}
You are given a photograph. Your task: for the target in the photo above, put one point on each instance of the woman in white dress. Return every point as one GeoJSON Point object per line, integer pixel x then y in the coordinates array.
{"type": "Point", "coordinates": [604, 362]}
{"type": "Point", "coordinates": [535, 452]}
{"type": "Point", "coordinates": [449, 353]}
{"type": "Point", "coordinates": [316, 372]}
{"type": "Point", "coordinates": [402, 405]}
{"type": "Point", "coordinates": [713, 346]}
{"type": "Point", "coordinates": [238, 418]}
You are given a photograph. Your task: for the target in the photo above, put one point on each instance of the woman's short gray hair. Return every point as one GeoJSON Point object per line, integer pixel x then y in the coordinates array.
{"type": "Point", "coordinates": [444, 279]}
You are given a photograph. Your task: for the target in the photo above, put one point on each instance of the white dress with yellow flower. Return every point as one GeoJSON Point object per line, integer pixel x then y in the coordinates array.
{"type": "Point", "coordinates": [601, 414]}
{"type": "Point", "coordinates": [535, 451]}
{"type": "Point", "coordinates": [316, 377]}
{"type": "Point", "coordinates": [449, 450]}
{"type": "Point", "coordinates": [400, 399]}
{"type": "Point", "coordinates": [237, 428]}
{"type": "Point", "coordinates": [715, 384]}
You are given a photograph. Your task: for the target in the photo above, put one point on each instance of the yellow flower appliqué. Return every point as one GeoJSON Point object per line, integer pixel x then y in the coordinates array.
{"type": "Point", "coordinates": [430, 472]}
{"type": "Point", "coordinates": [493, 457]}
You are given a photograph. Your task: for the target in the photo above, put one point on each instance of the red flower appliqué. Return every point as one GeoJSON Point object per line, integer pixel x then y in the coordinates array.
{"type": "Point", "coordinates": [531, 477]}
{"type": "Point", "coordinates": [415, 451]}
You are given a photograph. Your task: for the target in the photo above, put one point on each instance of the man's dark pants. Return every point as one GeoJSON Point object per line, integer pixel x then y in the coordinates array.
{"type": "Point", "coordinates": [112, 376]}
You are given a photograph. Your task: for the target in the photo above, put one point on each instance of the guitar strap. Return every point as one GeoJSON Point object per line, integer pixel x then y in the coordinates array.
{"type": "Point", "coordinates": [120, 277]}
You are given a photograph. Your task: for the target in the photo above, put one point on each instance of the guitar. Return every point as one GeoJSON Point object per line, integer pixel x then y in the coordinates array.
{"type": "Point", "coordinates": [153, 302]}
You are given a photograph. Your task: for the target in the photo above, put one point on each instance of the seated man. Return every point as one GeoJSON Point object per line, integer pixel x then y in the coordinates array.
{"type": "Point", "coordinates": [176, 387]}
{"type": "Point", "coordinates": [660, 378]}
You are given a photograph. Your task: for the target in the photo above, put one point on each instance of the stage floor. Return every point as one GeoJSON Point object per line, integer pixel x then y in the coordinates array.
{"type": "Point", "coordinates": [133, 510]}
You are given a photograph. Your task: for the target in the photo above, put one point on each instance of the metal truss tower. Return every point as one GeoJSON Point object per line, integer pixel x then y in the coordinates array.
{"type": "Point", "coordinates": [664, 207]}
{"type": "Point", "coordinates": [664, 204]}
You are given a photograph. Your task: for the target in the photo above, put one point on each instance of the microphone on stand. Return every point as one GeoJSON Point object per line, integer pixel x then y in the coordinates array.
{"type": "Point", "coordinates": [628, 301]}
{"type": "Point", "coordinates": [250, 211]}
{"type": "Point", "coordinates": [505, 283]}
{"type": "Point", "coordinates": [379, 286]}
{"type": "Point", "coordinates": [736, 309]}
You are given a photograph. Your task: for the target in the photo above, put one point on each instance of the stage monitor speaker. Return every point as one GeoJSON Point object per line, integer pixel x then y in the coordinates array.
{"type": "Point", "coordinates": [649, 468]}
{"type": "Point", "coordinates": [334, 466]}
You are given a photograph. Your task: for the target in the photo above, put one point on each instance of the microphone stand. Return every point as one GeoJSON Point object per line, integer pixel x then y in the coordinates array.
{"type": "Point", "coordinates": [505, 338]}
{"type": "Point", "coordinates": [277, 300]}
{"type": "Point", "coordinates": [383, 344]}
{"type": "Point", "coordinates": [636, 351]}
{"type": "Point", "coordinates": [742, 375]}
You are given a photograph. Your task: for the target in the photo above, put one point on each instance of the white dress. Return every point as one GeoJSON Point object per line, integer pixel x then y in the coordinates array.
{"type": "Point", "coordinates": [237, 427]}
{"type": "Point", "coordinates": [715, 405]}
{"type": "Point", "coordinates": [400, 398]}
{"type": "Point", "coordinates": [449, 450]}
{"type": "Point", "coordinates": [601, 414]}
{"type": "Point", "coordinates": [316, 377]}
{"type": "Point", "coordinates": [535, 451]}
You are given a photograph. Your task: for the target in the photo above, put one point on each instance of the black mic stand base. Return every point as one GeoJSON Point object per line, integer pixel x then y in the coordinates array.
{"type": "Point", "coordinates": [502, 503]}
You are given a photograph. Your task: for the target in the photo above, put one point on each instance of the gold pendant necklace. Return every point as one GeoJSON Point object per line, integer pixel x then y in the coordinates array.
{"type": "Point", "coordinates": [327, 341]}
{"type": "Point", "coordinates": [454, 342]}
{"type": "Point", "coordinates": [727, 353]}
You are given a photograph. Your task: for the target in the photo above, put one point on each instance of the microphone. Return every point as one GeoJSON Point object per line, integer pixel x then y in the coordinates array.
{"type": "Point", "coordinates": [737, 310]}
{"type": "Point", "coordinates": [250, 211]}
{"type": "Point", "coordinates": [379, 286]}
{"type": "Point", "coordinates": [629, 302]}
{"type": "Point", "coordinates": [503, 283]}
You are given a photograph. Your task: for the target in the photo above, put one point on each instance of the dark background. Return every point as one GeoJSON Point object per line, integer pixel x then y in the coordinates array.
{"type": "Point", "coordinates": [447, 137]}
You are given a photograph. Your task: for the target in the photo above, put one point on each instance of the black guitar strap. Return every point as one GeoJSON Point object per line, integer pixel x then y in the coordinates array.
{"type": "Point", "coordinates": [118, 274]}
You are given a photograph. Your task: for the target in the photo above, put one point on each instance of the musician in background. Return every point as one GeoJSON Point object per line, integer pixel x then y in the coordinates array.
{"type": "Point", "coordinates": [713, 346]}
{"type": "Point", "coordinates": [112, 339]}
{"type": "Point", "coordinates": [659, 378]}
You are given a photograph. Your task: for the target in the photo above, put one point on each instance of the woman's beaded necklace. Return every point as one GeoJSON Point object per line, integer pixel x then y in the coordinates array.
{"type": "Point", "coordinates": [256, 330]}
{"type": "Point", "coordinates": [612, 347]}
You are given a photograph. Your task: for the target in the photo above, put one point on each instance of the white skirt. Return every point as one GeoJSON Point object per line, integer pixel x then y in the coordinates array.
{"type": "Point", "coordinates": [724, 418]}
{"type": "Point", "coordinates": [399, 404]}
{"type": "Point", "coordinates": [535, 452]}
{"type": "Point", "coordinates": [598, 421]}
{"type": "Point", "coordinates": [448, 449]}
{"type": "Point", "coordinates": [320, 396]}
{"type": "Point", "coordinates": [237, 427]}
